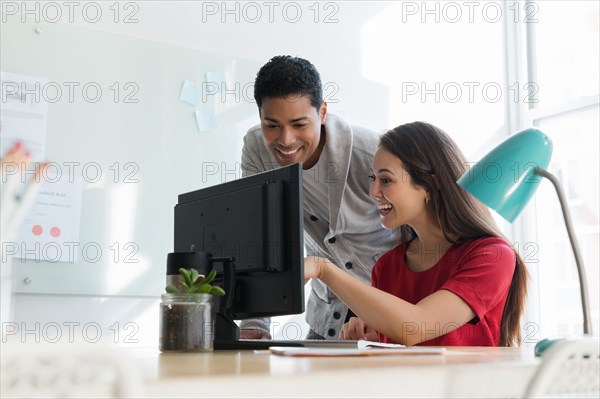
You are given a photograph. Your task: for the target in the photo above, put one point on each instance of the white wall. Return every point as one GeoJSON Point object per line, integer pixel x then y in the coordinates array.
{"type": "Point", "coordinates": [332, 43]}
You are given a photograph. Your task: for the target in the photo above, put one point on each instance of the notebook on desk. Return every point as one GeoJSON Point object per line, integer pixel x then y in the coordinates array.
{"type": "Point", "coordinates": [304, 343]}
{"type": "Point", "coordinates": [356, 351]}
{"type": "Point", "coordinates": [267, 343]}
{"type": "Point", "coordinates": [359, 348]}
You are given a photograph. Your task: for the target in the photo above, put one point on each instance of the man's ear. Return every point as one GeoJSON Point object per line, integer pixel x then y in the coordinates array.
{"type": "Point", "coordinates": [323, 112]}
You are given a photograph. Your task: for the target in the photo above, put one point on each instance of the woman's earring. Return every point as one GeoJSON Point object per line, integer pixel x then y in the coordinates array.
{"type": "Point", "coordinates": [426, 201]}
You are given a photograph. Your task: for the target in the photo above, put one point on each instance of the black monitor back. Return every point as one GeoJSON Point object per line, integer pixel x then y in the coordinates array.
{"type": "Point", "coordinates": [257, 221]}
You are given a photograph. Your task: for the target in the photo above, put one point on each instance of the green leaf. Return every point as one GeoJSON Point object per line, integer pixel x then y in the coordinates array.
{"type": "Point", "coordinates": [193, 275]}
{"type": "Point", "coordinates": [185, 274]}
{"type": "Point", "coordinates": [211, 276]}
{"type": "Point", "coordinates": [171, 289]}
{"type": "Point", "coordinates": [193, 283]}
{"type": "Point", "coordinates": [217, 291]}
{"type": "Point", "coordinates": [204, 288]}
{"type": "Point", "coordinates": [187, 287]}
{"type": "Point", "coordinates": [195, 289]}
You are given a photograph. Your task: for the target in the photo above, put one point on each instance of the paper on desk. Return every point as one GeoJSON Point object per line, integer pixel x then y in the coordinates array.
{"type": "Point", "coordinates": [332, 352]}
{"type": "Point", "coordinates": [363, 344]}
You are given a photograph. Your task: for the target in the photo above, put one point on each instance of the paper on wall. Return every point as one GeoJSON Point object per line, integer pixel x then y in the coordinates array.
{"type": "Point", "coordinates": [23, 114]}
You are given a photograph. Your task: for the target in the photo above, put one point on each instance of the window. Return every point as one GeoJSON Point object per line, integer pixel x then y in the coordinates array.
{"type": "Point", "coordinates": [563, 61]}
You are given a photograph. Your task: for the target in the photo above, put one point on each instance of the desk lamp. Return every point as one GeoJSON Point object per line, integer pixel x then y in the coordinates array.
{"type": "Point", "coordinates": [505, 180]}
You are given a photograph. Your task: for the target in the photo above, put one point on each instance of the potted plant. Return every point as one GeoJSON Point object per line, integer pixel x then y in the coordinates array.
{"type": "Point", "coordinates": [186, 313]}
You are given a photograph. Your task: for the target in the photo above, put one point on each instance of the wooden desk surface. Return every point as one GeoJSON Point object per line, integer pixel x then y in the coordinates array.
{"type": "Point", "coordinates": [461, 372]}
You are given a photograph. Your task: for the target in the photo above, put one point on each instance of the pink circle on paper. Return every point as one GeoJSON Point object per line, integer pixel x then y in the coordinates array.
{"type": "Point", "coordinates": [54, 231]}
{"type": "Point", "coordinates": [37, 230]}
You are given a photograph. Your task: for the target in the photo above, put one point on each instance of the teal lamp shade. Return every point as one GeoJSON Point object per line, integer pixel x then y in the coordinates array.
{"type": "Point", "coordinates": [505, 179]}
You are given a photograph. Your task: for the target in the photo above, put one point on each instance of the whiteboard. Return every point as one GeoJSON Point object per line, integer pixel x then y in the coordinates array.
{"type": "Point", "coordinates": [143, 137]}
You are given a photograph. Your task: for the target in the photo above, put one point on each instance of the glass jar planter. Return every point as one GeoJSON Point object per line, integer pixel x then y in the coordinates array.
{"type": "Point", "coordinates": [186, 323]}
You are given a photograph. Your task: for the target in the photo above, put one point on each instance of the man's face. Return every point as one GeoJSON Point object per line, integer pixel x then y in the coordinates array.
{"type": "Point", "coordinates": [291, 129]}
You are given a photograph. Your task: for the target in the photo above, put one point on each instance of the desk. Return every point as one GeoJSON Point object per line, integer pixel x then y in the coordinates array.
{"type": "Point", "coordinates": [462, 372]}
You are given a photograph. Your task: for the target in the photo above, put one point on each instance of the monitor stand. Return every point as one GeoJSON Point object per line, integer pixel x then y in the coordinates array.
{"type": "Point", "coordinates": [227, 332]}
{"type": "Point", "coordinates": [227, 336]}
{"type": "Point", "coordinates": [253, 344]}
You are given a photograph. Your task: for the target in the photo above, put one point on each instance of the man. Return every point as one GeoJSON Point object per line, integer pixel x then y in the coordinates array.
{"type": "Point", "coordinates": [341, 222]}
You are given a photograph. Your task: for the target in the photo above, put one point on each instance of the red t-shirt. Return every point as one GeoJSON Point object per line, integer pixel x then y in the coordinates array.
{"type": "Point", "coordinates": [479, 271]}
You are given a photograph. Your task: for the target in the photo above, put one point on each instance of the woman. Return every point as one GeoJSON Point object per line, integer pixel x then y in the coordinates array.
{"type": "Point", "coordinates": [454, 279]}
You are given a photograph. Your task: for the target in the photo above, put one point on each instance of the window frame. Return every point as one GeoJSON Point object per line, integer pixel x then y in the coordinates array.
{"type": "Point", "coordinates": [521, 66]}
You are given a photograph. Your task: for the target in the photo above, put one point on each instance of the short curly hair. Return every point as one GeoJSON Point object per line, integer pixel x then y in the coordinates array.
{"type": "Point", "coordinates": [285, 75]}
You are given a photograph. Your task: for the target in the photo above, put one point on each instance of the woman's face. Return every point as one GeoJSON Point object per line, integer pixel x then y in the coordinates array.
{"type": "Point", "coordinates": [399, 201]}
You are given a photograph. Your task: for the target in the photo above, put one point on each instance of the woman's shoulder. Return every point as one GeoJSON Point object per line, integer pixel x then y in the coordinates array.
{"type": "Point", "coordinates": [489, 248]}
{"type": "Point", "coordinates": [485, 241]}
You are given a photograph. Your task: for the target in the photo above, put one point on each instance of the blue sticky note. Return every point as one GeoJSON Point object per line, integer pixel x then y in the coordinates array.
{"type": "Point", "coordinates": [191, 93]}
{"type": "Point", "coordinates": [206, 119]}
{"type": "Point", "coordinates": [217, 79]}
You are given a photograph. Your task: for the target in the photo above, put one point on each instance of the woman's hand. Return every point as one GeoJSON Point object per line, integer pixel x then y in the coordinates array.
{"type": "Point", "coordinates": [357, 329]}
{"type": "Point", "coordinates": [314, 266]}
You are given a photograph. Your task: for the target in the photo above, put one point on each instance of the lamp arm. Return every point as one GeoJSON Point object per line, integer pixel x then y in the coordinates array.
{"type": "Point", "coordinates": [587, 325]}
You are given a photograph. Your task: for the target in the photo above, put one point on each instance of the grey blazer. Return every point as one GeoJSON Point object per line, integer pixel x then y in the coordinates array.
{"type": "Point", "coordinates": [353, 237]}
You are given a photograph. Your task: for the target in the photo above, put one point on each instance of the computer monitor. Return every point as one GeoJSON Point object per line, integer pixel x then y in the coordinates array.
{"type": "Point", "coordinates": [251, 231]}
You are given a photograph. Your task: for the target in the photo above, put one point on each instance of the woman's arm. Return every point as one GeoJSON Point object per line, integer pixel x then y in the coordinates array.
{"type": "Point", "coordinates": [435, 315]}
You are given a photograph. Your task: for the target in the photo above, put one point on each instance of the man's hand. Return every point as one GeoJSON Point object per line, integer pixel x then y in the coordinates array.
{"type": "Point", "coordinates": [357, 329]}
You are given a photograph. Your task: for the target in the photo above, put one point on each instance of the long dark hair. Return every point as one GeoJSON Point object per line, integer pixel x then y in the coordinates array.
{"type": "Point", "coordinates": [434, 162]}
